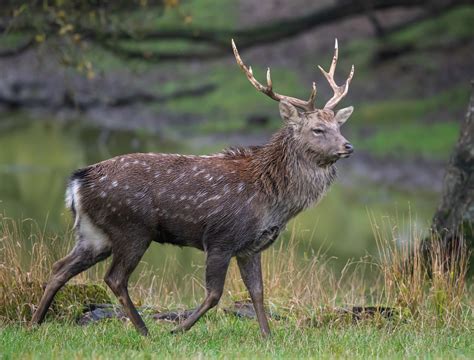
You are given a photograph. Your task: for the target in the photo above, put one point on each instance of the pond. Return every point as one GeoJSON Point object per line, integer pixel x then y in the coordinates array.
{"type": "Point", "coordinates": [36, 158]}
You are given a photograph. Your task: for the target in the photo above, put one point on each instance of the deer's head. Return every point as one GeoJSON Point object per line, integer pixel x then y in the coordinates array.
{"type": "Point", "coordinates": [317, 131]}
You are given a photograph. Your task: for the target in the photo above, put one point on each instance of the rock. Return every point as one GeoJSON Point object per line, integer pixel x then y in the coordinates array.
{"type": "Point", "coordinates": [244, 309]}
{"type": "Point", "coordinates": [173, 316]}
{"type": "Point", "coordinates": [71, 299]}
{"type": "Point", "coordinates": [97, 312]}
{"type": "Point", "coordinates": [93, 313]}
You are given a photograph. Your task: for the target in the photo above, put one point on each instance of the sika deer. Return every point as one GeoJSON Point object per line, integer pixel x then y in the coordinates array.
{"type": "Point", "coordinates": [233, 203]}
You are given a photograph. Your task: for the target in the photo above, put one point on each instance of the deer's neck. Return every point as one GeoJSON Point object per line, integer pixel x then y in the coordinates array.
{"type": "Point", "coordinates": [288, 174]}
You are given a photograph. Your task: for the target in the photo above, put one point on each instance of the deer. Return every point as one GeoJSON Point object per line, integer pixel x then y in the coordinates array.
{"type": "Point", "coordinates": [231, 204]}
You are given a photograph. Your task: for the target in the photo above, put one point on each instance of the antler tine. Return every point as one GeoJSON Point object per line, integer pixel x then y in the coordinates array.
{"type": "Point", "coordinates": [268, 90]}
{"type": "Point", "coordinates": [339, 91]}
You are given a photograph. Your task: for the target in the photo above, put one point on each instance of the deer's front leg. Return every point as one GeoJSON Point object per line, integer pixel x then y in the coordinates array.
{"type": "Point", "coordinates": [217, 264]}
{"type": "Point", "coordinates": [251, 272]}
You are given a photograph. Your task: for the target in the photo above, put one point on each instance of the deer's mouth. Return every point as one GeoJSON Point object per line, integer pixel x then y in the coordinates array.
{"type": "Point", "coordinates": [344, 154]}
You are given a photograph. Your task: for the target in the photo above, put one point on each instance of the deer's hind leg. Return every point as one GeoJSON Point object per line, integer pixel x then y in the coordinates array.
{"type": "Point", "coordinates": [125, 260]}
{"type": "Point", "coordinates": [92, 246]}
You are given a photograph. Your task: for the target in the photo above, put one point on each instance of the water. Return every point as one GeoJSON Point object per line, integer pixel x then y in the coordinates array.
{"type": "Point", "coordinates": [36, 158]}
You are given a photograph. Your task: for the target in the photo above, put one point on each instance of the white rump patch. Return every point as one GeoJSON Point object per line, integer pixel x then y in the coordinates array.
{"type": "Point", "coordinates": [90, 236]}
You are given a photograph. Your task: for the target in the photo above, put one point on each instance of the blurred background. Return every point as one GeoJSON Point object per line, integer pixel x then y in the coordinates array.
{"type": "Point", "coordinates": [82, 81]}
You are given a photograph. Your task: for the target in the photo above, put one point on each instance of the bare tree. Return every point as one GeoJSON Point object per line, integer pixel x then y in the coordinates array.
{"type": "Point", "coordinates": [110, 29]}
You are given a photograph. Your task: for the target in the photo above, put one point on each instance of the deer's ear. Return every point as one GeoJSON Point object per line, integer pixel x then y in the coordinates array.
{"type": "Point", "coordinates": [343, 114]}
{"type": "Point", "coordinates": [287, 111]}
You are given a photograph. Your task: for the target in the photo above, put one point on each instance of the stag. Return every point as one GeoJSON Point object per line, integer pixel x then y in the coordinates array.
{"type": "Point", "coordinates": [230, 204]}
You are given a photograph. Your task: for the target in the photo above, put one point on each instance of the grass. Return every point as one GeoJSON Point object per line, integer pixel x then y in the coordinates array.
{"type": "Point", "coordinates": [433, 315]}
{"type": "Point", "coordinates": [405, 128]}
{"type": "Point", "coordinates": [432, 142]}
{"type": "Point", "coordinates": [220, 336]}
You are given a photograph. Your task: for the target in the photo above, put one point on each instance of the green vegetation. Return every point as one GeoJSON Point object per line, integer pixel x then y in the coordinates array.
{"type": "Point", "coordinates": [220, 336]}
{"type": "Point", "coordinates": [405, 127]}
{"type": "Point", "coordinates": [433, 315]}
{"type": "Point", "coordinates": [449, 27]}
{"type": "Point", "coordinates": [431, 142]}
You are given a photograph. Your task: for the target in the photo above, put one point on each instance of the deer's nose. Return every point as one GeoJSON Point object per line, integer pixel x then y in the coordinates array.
{"type": "Point", "coordinates": [348, 147]}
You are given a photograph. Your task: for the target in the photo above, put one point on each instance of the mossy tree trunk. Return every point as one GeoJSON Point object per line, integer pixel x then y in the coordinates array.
{"type": "Point", "coordinates": [455, 214]}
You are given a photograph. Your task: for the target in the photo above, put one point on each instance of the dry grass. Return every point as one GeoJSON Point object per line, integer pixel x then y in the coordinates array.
{"type": "Point", "coordinates": [301, 286]}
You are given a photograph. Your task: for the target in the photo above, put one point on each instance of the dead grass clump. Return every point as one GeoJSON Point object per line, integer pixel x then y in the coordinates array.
{"type": "Point", "coordinates": [299, 282]}
{"type": "Point", "coordinates": [26, 258]}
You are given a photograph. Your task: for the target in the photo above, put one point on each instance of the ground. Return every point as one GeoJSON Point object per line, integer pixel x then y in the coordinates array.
{"type": "Point", "coordinates": [220, 336]}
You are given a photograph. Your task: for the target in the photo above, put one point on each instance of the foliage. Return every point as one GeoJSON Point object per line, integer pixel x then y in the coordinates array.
{"type": "Point", "coordinates": [223, 337]}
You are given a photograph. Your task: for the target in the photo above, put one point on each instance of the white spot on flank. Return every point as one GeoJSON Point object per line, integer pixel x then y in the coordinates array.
{"type": "Point", "coordinates": [126, 187]}
{"type": "Point", "coordinates": [103, 194]}
{"type": "Point", "coordinates": [215, 197]}
{"type": "Point", "coordinates": [194, 168]}
{"type": "Point", "coordinates": [114, 183]}
{"type": "Point", "coordinates": [103, 178]}
{"type": "Point", "coordinates": [182, 197]}
{"type": "Point", "coordinates": [178, 178]}
{"type": "Point", "coordinates": [157, 174]}
{"type": "Point", "coordinates": [168, 171]}
{"type": "Point", "coordinates": [241, 187]}
{"type": "Point", "coordinates": [251, 198]}
{"type": "Point", "coordinates": [136, 162]}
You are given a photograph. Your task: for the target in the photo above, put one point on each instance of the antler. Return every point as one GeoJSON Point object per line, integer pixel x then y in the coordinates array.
{"type": "Point", "coordinates": [268, 90]}
{"type": "Point", "coordinates": [339, 91]}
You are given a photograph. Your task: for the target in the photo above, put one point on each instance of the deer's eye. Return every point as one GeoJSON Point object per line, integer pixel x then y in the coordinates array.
{"type": "Point", "coordinates": [318, 131]}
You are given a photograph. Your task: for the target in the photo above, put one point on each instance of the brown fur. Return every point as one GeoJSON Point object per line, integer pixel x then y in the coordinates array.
{"type": "Point", "coordinates": [233, 203]}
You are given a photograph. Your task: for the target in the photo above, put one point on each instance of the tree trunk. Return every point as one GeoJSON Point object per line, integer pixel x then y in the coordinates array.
{"type": "Point", "coordinates": [454, 218]}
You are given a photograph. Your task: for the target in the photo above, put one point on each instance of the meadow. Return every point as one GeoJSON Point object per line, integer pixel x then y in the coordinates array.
{"type": "Point", "coordinates": [430, 299]}
{"type": "Point", "coordinates": [408, 109]}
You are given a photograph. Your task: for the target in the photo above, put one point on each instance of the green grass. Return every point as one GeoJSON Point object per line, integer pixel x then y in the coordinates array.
{"type": "Point", "coordinates": [405, 127]}
{"type": "Point", "coordinates": [221, 336]}
{"type": "Point", "coordinates": [454, 25]}
{"type": "Point", "coordinates": [408, 111]}
{"type": "Point", "coordinates": [227, 108]}
{"type": "Point", "coordinates": [450, 27]}
{"type": "Point", "coordinates": [433, 141]}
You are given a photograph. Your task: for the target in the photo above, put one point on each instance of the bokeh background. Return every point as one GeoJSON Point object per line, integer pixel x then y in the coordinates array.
{"type": "Point", "coordinates": [82, 81]}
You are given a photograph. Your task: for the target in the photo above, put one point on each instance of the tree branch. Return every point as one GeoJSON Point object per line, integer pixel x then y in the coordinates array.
{"type": "Point", "coordinates": [18, 50]}
{"type": "Point", "coordinates": [246, 38]}
{"type": "Point", "coordinates": [218, 39]}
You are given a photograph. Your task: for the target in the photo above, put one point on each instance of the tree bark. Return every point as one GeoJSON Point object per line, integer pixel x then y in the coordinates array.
{"type": "Point", "coordinates": [454, 218]}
